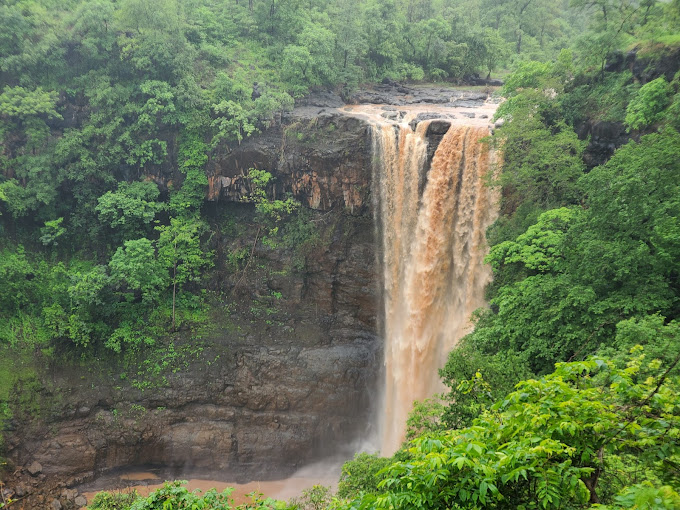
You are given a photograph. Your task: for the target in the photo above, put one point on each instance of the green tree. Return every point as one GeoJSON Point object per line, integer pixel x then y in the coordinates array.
{"type": "Point", "coordinates": [135, 267]}
{"type": "Point", "coordinates": [494, 50]}
{"type": "Point", "coordinates": [362, 474]}
{"type": "Point", "coordinates": [477, 380]}
{"type": "Point", "coordinates": [381, 26]}
{"type": "Point", "coordinates": [542, 156]}
{"type": "Point", "coordinates": [16, 285]}
{"type": "Point", "coordinates": [79, 306]}
{"type": "Point", "coordinates": [627, 240]}
{"type": "Point", "coordinates": [179, 250]}
{"type": "Point", "coordinates": [24, 132]}
{"type": "Point", "coordinates": [310, 62]}
{"type": "Point", "coordinates": [151, 15]}
{"type": "Point", "coordinates": [549, 444]}
{"type": "Point", "coordinates": [193, 156]}
{"type": "Point", "coordinates": [318, 497]}
{"type": "Point", "coordinates": [52, 231]}
{"type": "Point", "coordinates": [350, 44]}
{"type": "Point", "coordinates": [130, 209]}
{"type": "Point", "coordinates": [647, 107]}
{"type": "Point", "coordinates": [270, 213]}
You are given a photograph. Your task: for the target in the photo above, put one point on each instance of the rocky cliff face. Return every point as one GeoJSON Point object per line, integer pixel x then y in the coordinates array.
{"type": "Point", "coordinates": [605, 137]}
{"type": "Point", "coordinates": [317, 154]}
{"type": "Point", "coordinates": [285, 372]}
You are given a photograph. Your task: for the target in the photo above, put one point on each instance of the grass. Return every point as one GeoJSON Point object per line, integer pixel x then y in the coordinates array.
{"type": "Point", "coordinates": [658, 46]}
{"type": "Point", "coordinates": [15, 364]}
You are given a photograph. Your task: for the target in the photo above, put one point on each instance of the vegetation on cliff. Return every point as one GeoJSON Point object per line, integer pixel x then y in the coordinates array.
{"type": "Point", "coordinates": [109, 112]}
{"type": "Point", "coordinates": [585, 272]}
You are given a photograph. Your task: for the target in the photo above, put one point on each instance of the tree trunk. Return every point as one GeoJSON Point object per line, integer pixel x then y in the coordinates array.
{"type": "Point", "coordinates": [174, 290]}
{"type": "Point", "coordinates": [591, 481]}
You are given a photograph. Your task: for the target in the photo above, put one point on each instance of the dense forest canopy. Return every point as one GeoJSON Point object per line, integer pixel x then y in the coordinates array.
{"type": "Point", "coordinates": [101, 257]}
{"type": "Point", "coordinates": [100, 97]}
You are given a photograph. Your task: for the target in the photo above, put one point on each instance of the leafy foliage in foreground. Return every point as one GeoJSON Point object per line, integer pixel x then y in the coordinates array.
{"type": "Point", "coordinates": [113, 500]}
{"type": "Point", "coordinates": [174, 496]}
{"type": "Point", "coordinates": [362, 474]}
{"type": "Point", "coordinates": [575, 437]}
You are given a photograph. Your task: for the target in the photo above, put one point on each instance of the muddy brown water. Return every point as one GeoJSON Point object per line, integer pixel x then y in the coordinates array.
{"type": "Point", "coordinates": [145, 482]}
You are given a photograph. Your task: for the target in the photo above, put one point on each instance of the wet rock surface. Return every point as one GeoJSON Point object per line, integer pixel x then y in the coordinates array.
{"type": "Point", "coordinates": [287, 373]}
{"type": "Point", "coordinates": [605, 138]}
{"type": "Point", "coordinates": [319, 156]}
{"type": "Point", "coordinates": [645, 66]}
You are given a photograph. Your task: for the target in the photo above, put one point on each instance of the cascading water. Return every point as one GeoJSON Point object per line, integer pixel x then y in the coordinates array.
{"type": "Point", "coordinates": [433, 248]}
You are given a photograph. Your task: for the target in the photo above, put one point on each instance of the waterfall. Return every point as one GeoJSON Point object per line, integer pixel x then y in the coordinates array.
{"type": "Point", "coordinates": [432, 225]}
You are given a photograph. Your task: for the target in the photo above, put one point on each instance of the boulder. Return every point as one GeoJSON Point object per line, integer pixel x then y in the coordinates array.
{"type": "Point", "coordinates": [438, 127]}
{"type": "Point", "coordinates": [35, 468]}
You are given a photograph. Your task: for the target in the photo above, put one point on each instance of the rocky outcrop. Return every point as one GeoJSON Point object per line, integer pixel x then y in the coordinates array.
{"type": "Point", "coordinates": [262, 408]}
{"type": "Point", "coordinates": [286, 372]}
{"type": "Point", "coordinates": [646, 65]}
{"type": "Point", "coordinates": [318, 155]}
{"type": "Point", "coordinates": [604, 138]}
{"type": "Point", "coordinates": [396, 94]}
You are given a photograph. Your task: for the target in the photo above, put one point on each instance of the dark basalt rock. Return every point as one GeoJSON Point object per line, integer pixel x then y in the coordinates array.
{"type": "Point", "coordinates": [268, 393]}
{"type": "Point", "coordinates": [469, 103]}
{"type": "Point", "coordinates": [321, 158]}
{"type": "Point", "coordinates": [324, 99]}
{"type": "Point", "coordinates": [394, 115]}
{"type": "Point", "coordinates": [618, 61]}
{"type": "Point", "coordinates": [438, 127]}
{"type": "Point", "coordinates": [646, 68]}
{"type": "Point", "coordinates": [475, 79]}
{"type": "Point", "coordinates": [605, 138]}
{"type": "Point", "coordinates": [390, 94]}
{"type": "Point", "coordinates": [428, 116]}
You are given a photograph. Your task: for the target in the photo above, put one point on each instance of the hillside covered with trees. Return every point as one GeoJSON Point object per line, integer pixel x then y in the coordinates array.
{"type": "Point", "coordinates": [101, 98]}
{"type": "Point", "coordinates": [111, 110]}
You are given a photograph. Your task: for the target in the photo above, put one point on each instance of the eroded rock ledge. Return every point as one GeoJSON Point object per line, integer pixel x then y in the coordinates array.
{"type": "Point", "coordinates": [318, 153]}
{"type": "Point", "coordinates": [259, 395]}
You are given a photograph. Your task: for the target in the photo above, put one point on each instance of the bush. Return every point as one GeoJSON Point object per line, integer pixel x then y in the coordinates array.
{"type": "Point", "coordinates": [361, 475]}
{"type": "Point", "coordinates": [648, 106]}
{"type": "Point", "coordinates": [113, 500]}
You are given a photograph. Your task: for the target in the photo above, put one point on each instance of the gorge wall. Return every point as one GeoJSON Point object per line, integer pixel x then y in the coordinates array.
{"type": "Point", "coordinates": [286, 373]}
